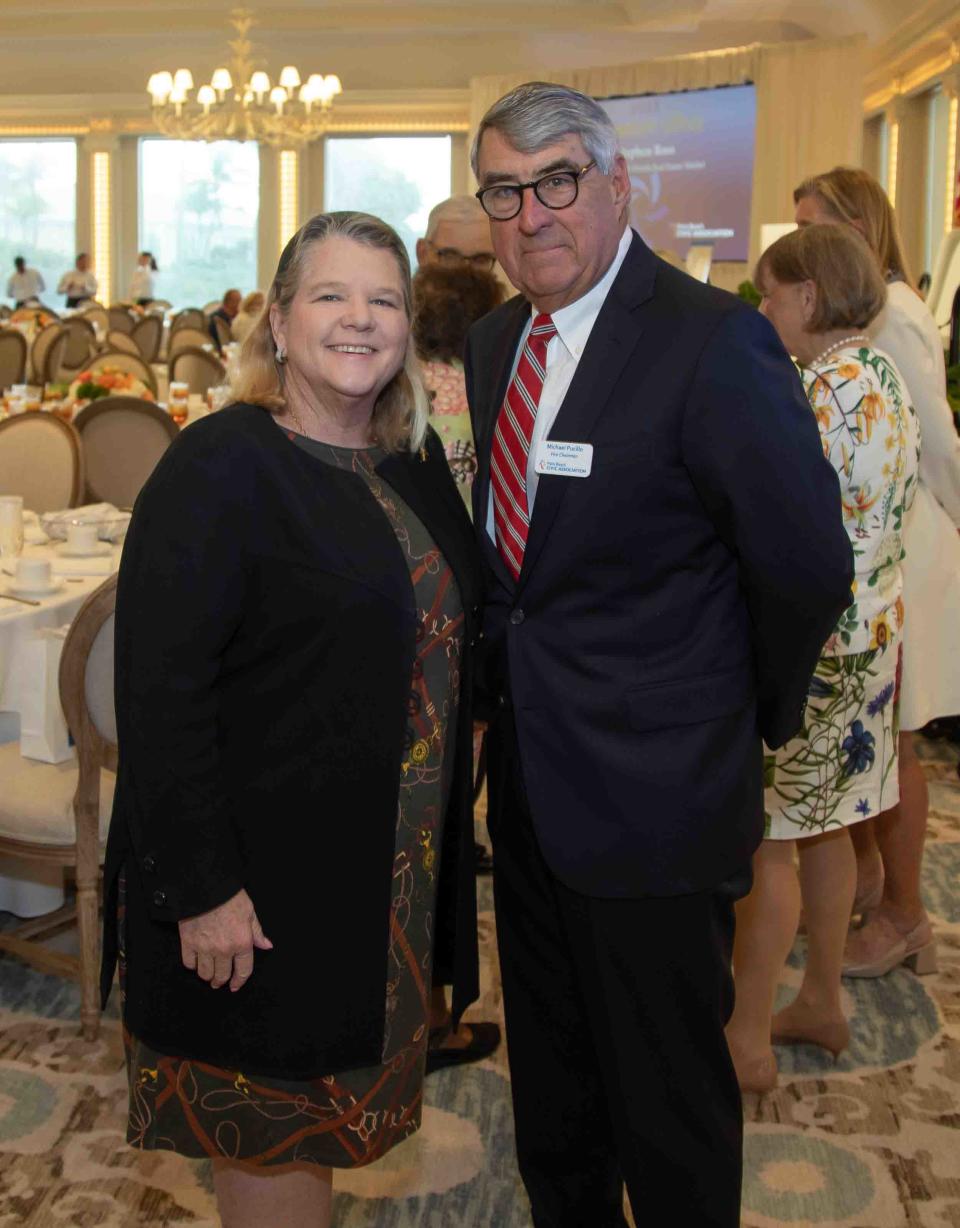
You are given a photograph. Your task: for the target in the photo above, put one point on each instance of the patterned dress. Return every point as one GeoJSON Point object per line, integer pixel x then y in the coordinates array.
{"type": "Point", "coordinates": [842, 766]}
{"type": "Point", "coordinates": [450, 418]}
{"type": "Point", "coordinates": [353, 1117]}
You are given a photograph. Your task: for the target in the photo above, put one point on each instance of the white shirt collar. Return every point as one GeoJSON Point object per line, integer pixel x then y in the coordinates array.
{"type": "Point", "coordinates": [575, 322]}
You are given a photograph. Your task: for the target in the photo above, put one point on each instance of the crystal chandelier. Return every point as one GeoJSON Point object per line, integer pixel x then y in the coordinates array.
{"type": "Point", "coordinates": [239, 103]}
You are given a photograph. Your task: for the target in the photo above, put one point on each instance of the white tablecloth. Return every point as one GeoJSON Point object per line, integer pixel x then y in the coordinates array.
{"type": "Point", "coordinates": [27, 888]}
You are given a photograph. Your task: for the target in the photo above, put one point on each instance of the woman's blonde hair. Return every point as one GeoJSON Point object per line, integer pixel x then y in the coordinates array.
{"type": "Point", "coordinates": [401, 413]}
{"type": "Point", "coordinates": [853, 196]}
{"type": "Point", "coordinates": [837, 260]}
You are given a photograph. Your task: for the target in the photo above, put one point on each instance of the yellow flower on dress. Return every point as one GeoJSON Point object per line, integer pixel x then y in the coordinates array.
{"type": "Point", "coordinates": [824, 416]}
{"type": "Point", "coordinates": [848, 370]}
{"type": "Point", "coordinates": [881, 632]}
{"type": "Point", "coordinates": [898, 610]}
{"type": "Point", "coordinates": [861, 503]}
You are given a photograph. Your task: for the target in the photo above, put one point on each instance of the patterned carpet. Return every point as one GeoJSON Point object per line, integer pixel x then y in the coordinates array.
{"type": "Point", "coordinates": [871, 1142]}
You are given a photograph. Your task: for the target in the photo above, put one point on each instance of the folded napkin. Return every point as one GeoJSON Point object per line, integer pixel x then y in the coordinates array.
{"type": "Point", "coordinates": [96, 565]}
{"type": "Point", "coordinates": [33, 535]}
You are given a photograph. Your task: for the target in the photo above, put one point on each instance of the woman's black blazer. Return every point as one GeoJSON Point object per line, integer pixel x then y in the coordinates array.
{"type": "Point", "coordinates": [264, 644]}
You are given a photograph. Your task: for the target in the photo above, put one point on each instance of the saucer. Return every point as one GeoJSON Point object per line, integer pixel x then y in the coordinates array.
{"type": "Point", "coordinates": [17, 590]}
{"type": "Point", "coordinates": [98, 551]}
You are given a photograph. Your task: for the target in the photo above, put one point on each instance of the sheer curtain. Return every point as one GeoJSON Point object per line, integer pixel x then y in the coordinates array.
{"type": "Point", "coordinates": [809, 106]}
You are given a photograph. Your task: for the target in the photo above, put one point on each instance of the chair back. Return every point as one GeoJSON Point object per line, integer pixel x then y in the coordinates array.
{"type": "Point", "coordinates": [133, 364]}
{"type": "Point", "coordinates": [123, 342]}
{"type": "Point", "coordinates": [86, 682]}
{"type": "Point", "coordinates": [190, 317]}
{"type": "Point", "coordinates": [122, 440]}
{"type": "Point", "coordinates": [120, 319]}
{"type": "Point", "coordinates": [38, 351]}
{"type": "Point", "coordinates": [13, 357]}
{"type": "Point", "coordinates": [82, 340]}
{"type": "Point", "coordinates": [188, 336]}
{"type": "Point", "coordinates": [147, 334]}
{"type": "Point", "coordinates": [98, 316]}
{"type": "Point", "coordinates": [197, 368]}
{"type": "Point", "coordinates": [41, 459]}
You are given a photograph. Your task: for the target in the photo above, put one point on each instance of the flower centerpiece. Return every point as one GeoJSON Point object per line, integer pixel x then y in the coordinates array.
{"type": "Point", "coordinates": [35, 317]}
{"type": "Point", "coordinates": [106, 382]}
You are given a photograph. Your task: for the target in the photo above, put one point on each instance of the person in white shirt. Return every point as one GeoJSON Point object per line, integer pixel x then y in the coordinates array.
{"type": "Point", "coordinates": [78, 283]}
{"type": "Point", "coordinates": [890, 847]}
{"type": "Point", "coordinates": [142, 283]}
{"type": "Point", "coordinates": [25, 284]}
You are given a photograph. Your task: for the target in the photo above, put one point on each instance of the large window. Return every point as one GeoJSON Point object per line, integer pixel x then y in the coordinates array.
{"type": "Point", "coordinates": [38, 209]}
{"type": "Point", "coordinates": [198, 215]}
{"type": "Point", "coordinates": [397, 178]}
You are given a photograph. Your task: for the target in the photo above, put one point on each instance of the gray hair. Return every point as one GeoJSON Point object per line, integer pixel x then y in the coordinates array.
{"type": "Point", "coordinates": [456, 209]}
{"type": "Point", "coordinates": [540, 113]}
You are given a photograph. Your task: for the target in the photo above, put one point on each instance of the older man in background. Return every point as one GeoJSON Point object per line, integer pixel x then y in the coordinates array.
{"type": "Point", "coordinates": [458, 232]}
{"type": "Point", "coordinates": [665, 556]}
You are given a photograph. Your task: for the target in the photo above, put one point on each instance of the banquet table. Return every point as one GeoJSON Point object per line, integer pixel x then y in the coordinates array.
{"type": "Point", "coordinates": [27, 888]}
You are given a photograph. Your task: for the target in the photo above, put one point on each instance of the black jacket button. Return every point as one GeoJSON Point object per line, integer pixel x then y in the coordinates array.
{"type": "Point", "coordinates": [150, 864]}
{"type": "Point", "coordinates": [159, 898]}
{"type": "Point", "coordinates": [517, 617]}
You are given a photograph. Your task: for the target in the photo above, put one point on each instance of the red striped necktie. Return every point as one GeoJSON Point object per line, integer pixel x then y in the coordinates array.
{"type": "Point", "coordinates": [511, 445]}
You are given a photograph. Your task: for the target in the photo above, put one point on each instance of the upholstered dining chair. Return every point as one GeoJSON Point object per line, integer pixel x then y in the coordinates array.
{"type": "Point", "coordinates": [38, 350]}
{"type": "Point", "coordinates": [123, 342]}
{"type": "Point", "coordinates": [41, 459]}
{"type": "Point", "coordinates": [13, 357]}
{"type": "Point", "coordinates": [222, 329]}
{"type": "Point", "coordinates": [190, 317]}
{"type": "Point", "coordinates": [59, 813]}
{"type": "Point", "coordinates": [122, 439]}
{"type": "Point", "coordinates": [147, 334]}
{"type": "Point", "coordinates": [133, 364]}
{"type": "Point", "coordinates": [187, 336]}
{"type": "Point", "coordinates": [197, 368]}
{"type": "Point", "coordinates": [98, 316]}
{"type": "Point", "coordinates": [70, 353]}
{"type": "Point", "coordinates": [120, 319]}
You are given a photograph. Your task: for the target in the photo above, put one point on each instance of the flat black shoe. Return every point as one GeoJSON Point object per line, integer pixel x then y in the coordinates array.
{"type": "Point", "coordinates": [484, 1039]}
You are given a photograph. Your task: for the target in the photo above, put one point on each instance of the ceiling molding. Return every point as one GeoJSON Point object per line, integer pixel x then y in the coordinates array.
{"type": "Point", "coordinates": [917, 54]}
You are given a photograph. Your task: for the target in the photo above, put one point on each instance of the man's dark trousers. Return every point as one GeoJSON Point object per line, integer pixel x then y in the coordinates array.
{"type": "Point", "coordinates": [615, 1010]}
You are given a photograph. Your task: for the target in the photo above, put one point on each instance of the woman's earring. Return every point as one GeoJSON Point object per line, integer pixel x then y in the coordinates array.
{"type": "Point", "coordinates": [281, 355]}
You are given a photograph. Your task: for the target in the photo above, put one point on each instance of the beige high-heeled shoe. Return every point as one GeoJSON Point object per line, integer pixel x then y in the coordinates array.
{"type": "Point", "coordinates": [877, 947]}
{"type": "Point", "coordinates": [830, 1034]}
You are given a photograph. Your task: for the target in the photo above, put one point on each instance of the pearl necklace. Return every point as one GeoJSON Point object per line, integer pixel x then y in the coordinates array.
{"type": "Point", "coordinates": [837, 345]}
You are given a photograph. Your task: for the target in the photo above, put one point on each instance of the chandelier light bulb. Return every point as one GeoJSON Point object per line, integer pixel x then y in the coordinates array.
{"type": "Point", "coordinates": [206, 96]}
{"type": "Point", "coordinates": [221, 81]}
{"type": "Point", "coordinates": [332, 82]}
{"type": "Point", "coordinates": [260, 84]}
{"type": "Point", "coordinates": [278, 96]}
{"type": "Point", "coordinates": [290, 79]}
{"type": "Point", "coordinates": [183, 79]}
{"type": "Point", "coordinates": [160, 85]}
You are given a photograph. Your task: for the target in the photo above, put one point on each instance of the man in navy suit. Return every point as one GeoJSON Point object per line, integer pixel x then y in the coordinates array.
{"type": "Point", "coordinates": [665, 558]}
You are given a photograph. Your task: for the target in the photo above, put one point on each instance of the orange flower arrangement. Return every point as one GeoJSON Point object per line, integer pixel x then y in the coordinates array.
{"type": "Point", "coordinates": [108, 381]}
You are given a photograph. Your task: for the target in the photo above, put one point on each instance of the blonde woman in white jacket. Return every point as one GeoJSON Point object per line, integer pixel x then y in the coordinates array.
{"type": "Point", "coordinates": [896, 928]}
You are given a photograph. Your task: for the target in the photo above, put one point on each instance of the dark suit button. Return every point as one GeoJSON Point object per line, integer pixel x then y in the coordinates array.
{"type": "Point", "coordinates": [150, 864]}
{"type": "Point", "coordinates": [517, 617]}
{"type": "Point", "coordinates": [473, 642]}
{"type": "Point", "coordinates": [159, 898]}
{"type": "Point", "coordinates": [501, 701]}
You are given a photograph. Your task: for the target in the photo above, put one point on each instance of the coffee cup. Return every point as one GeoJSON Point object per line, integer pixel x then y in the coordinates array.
{"type": "Point", "coordinates": [82, 538]}
{"type": "Point", "coordinates": [33, 574]}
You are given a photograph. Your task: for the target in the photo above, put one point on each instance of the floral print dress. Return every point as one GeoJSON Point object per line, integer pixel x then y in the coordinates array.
{"type": "Point", "coordinates": [842, 766]}
{"type": "Point", "coordinates": [348, 1118]}
{"type": "Point", "coordinates": [450, 418]}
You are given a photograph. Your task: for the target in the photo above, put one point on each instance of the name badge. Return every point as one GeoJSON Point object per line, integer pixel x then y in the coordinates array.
{"type": "Point", "coordinates": [566, 460]}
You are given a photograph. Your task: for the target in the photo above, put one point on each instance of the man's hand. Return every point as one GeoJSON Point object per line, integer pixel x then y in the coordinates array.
{"type": "Point", "coordinates": [219, 944]}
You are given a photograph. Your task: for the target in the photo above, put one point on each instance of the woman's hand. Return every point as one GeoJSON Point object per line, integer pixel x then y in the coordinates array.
{"type": "Point", "coordinates": [219, 944]}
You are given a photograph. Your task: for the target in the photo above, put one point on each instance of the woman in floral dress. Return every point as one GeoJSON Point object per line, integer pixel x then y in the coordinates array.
{"type": "Point", "coordinates": [821, 288]}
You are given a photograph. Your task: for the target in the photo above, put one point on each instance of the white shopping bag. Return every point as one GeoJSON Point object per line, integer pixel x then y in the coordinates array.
{"type": "Point", "coordinates": [43, 727]}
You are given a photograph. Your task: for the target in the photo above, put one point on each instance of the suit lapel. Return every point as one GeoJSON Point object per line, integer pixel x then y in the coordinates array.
{"type": "Point", "coordinates": [613, 340]}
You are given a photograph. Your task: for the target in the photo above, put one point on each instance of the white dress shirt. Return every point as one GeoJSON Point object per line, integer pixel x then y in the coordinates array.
{"type": "Point", "coordinates": [574, 324]}
{"type": "Point", "coordinates": [24, 286]}
{"type": "Point", "coordinates": [75, 284]}
{"type": "Point", "coordinates": [142, 283]}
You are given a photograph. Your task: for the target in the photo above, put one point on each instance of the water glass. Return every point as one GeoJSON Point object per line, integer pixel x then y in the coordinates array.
{"type": "Point", "coordinates": [11, 526]}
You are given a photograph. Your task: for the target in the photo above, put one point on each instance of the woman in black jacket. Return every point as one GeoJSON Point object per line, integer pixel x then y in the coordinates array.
{"type": "Point", "coordinates": [296, 613]}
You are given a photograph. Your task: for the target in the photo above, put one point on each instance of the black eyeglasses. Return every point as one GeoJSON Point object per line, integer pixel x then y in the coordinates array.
{"type": "Point", "coordinates": [557, 190]}
{"type": "Point", "coordinates": [453, 255]}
